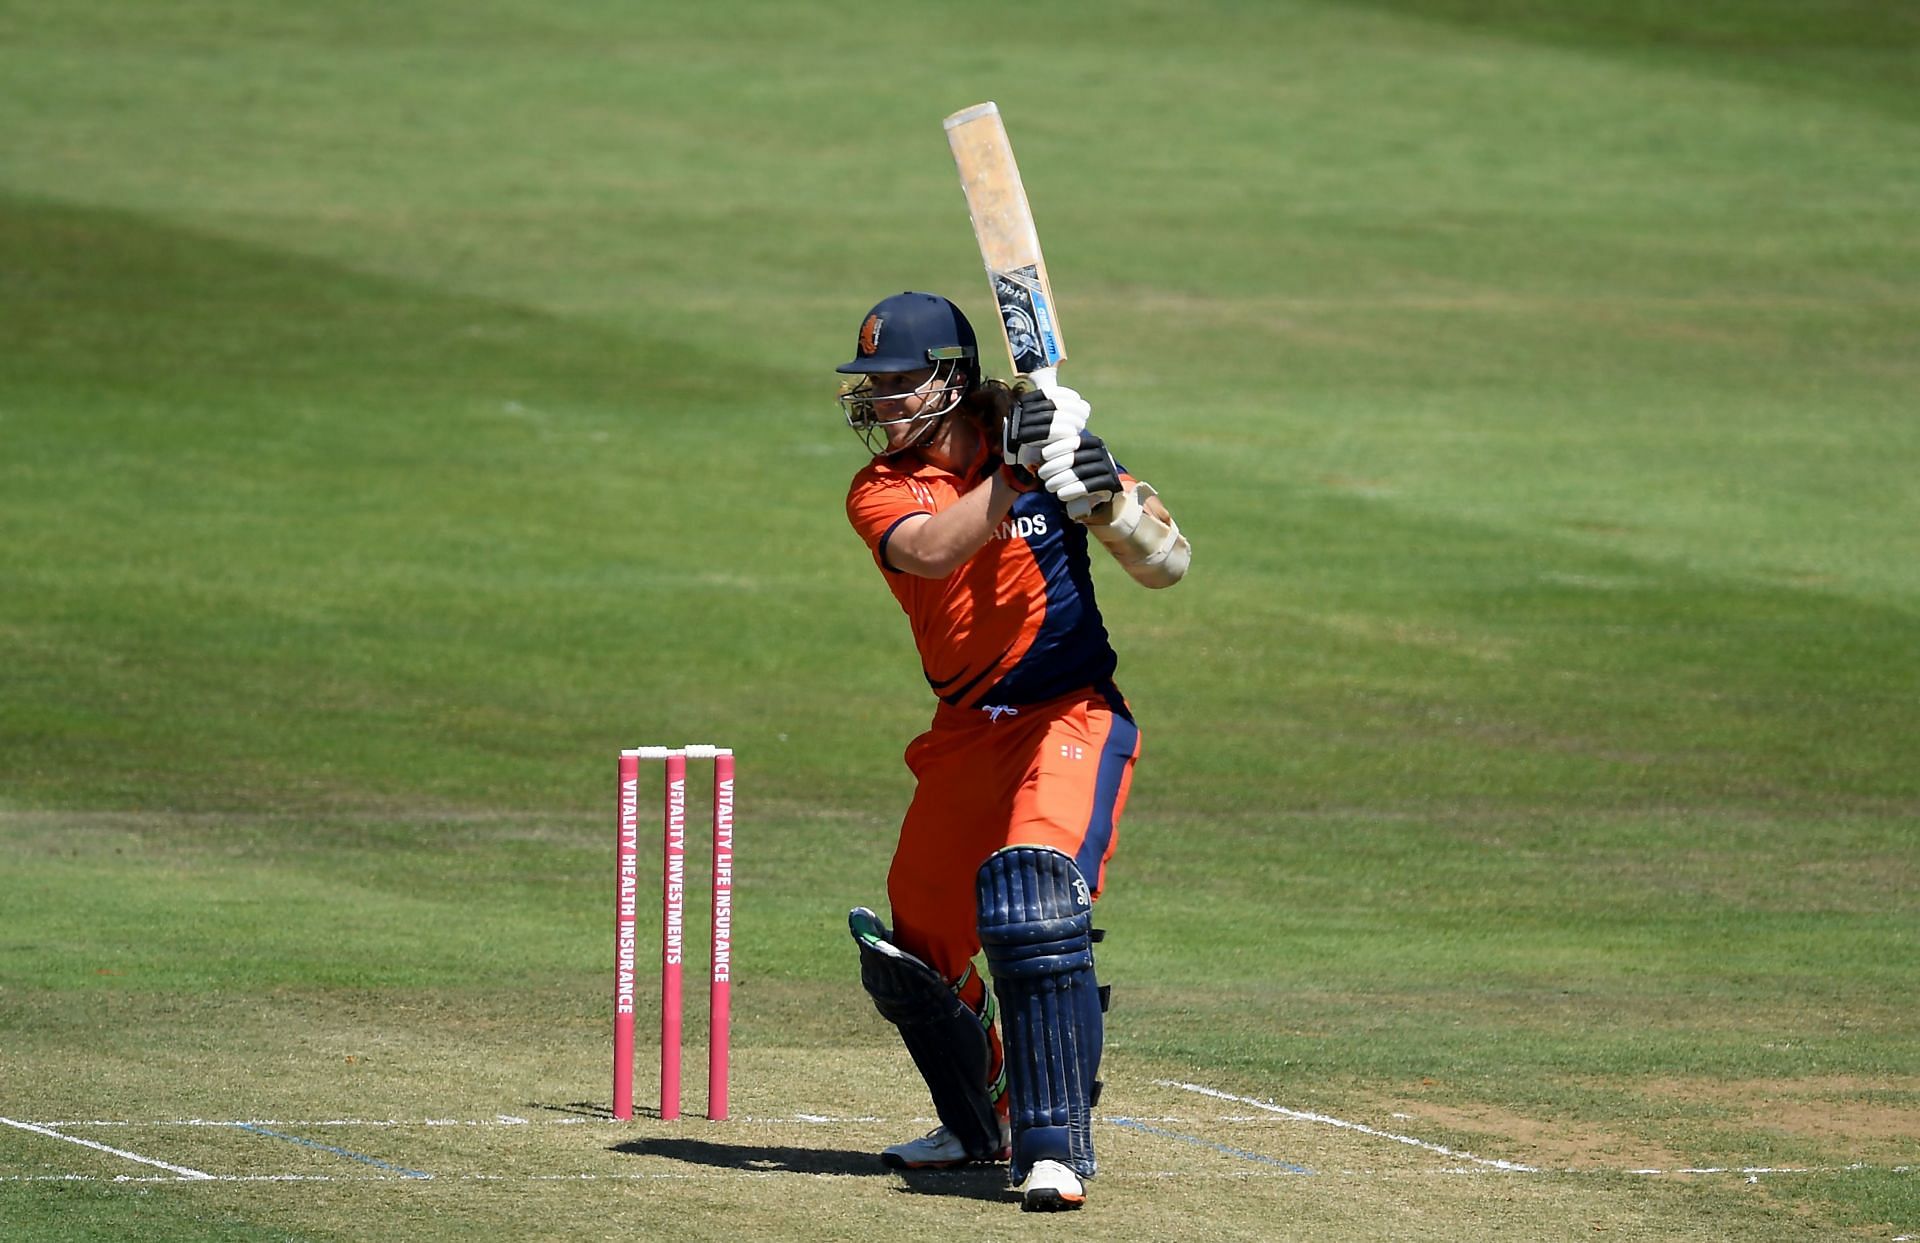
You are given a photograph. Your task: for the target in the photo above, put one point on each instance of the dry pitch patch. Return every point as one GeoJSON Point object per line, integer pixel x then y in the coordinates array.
{"type": "Point", "coordinates": [1853, 1119]}
{"type": "Point", "coordinates": [1179, 1159]}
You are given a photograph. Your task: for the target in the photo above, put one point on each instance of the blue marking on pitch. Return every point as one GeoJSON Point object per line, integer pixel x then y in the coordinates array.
{"type": "Point", "coordinates": [1231, 1151]}
{"type": "Point", "coordinates": [338, 1152]}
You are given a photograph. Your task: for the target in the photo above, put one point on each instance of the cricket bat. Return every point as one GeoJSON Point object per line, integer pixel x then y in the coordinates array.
{"type": "Point", "coordinates": [1009, 245]}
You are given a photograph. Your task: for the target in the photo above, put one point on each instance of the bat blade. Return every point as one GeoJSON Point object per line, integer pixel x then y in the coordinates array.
{"type": "Point", "coordinates": [1009, 243]}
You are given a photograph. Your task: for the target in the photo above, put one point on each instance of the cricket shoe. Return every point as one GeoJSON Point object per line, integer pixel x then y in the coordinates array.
{"type": "Point", "coordinates": [1051, 1188]}
{"type": "Point", "coordinates": [940, 1149]}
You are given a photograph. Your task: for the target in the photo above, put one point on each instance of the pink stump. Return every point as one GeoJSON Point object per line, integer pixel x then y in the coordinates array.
{"type": "Point", "coordinates": [720, 999]}
{"type": "Point", "coordinates": [672, 933]}
{"type": "Point", "coordinates": [625, 905]}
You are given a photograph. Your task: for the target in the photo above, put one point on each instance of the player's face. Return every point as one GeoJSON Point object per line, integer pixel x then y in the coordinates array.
{"type": "Point", "coordinates": [901, 404]}
{"type": "Point", "coordinates": [900, 395]}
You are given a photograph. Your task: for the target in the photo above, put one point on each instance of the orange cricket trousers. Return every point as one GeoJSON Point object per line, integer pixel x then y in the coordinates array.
{"type": "Point", "coordinates": [1049, 774]}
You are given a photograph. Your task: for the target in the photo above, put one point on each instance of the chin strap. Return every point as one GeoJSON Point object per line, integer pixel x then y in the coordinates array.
{"type": "Point", "coordinates": [1152, 551]}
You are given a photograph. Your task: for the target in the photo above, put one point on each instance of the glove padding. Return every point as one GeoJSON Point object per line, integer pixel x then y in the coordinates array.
{"type": "Point", "coordinates": [1073, 469]}
{"type": "Point", "coordinates": [1040, 417]}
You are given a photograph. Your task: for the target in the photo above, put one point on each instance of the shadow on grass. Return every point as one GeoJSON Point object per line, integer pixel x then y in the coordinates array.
{"type": "Point", "coordinates": [579, 1109]}
{"type": "Point", "coordinates": [976, 1183]}
{"type": "Point", "coordinates": [979, 1182]}
{"type": "Point", "coordinates": [759, 1158]}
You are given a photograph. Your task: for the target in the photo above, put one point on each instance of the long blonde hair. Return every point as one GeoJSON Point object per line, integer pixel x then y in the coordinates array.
{"type": "Point", "coordinates": [987, 405]}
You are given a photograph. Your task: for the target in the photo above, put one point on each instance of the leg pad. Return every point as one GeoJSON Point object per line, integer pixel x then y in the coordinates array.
{"type": "Point", "coordinates": [1036, 924]}
{"type": "Point", "coordinates": [948, 1042]}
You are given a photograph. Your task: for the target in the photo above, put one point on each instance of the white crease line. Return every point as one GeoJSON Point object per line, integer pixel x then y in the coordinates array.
{"type": "Point", "coordinates": [809, 1119]}
{"type": "Point", "coordinates": [1119, 1176]}
{"type": "Point", "coordinates": [504, 1120]}
{"type": "Point", "coordinates": [1116, 1176]}
{"type": "Point", "coordinates": [50, 1133]}
{"type": "Point", "coordinates": [1750, 1171]}
{"type": "Point", "coordinates": [616, 1177]}
{"type": "Point", "coordinates": [1753, 1170]}
{"type": "Point", "coordinates": [204, 1178]}
{"type": "Point", "coordinates": [1344, 1125]}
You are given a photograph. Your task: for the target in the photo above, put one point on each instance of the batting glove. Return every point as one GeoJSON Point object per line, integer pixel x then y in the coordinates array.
{"type": "Point", "coordinates": [1081, 467]}
{"type": "Point", "coordinates": [1041, 416]}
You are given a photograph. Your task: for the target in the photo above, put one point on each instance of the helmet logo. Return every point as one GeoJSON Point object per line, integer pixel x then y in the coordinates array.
{"type": "Point", "coordinates": [870, 337]}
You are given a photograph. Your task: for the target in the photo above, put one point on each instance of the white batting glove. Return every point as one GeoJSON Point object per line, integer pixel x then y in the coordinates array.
{"type": "Point", "coordinates": [1051, 414]}
{"type": "Point", "coordinates": [1079, 468]}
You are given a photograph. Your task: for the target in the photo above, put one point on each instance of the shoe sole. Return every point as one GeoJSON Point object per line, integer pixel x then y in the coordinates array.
{"type": "Point", "coordinates": [1049, 1200]}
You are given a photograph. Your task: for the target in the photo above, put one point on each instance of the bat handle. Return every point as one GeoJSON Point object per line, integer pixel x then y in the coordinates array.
{"type": "Point", "coordinates": [1045, 377]}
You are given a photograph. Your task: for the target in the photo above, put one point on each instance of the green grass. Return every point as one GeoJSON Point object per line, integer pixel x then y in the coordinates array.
{"type": "Point", "coordinates": [402, 407]}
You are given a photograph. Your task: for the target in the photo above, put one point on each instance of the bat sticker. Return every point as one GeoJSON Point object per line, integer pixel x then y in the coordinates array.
{"type": "Point", "coordinates": [1031, 337]}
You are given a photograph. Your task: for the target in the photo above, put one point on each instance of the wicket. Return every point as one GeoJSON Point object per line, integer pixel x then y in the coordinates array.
{"type": "Point", "coordinates": [673, 926]}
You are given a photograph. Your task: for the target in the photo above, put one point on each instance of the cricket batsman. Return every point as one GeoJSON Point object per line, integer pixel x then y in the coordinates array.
{"type": "Point", "coordinates": [1022, 775]}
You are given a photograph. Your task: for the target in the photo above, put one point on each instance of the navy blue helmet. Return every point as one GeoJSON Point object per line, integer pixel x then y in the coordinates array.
{"type": "Point", "coordinates": [903, 336]}
{"type": "Point", "coordinates": [910, 331]}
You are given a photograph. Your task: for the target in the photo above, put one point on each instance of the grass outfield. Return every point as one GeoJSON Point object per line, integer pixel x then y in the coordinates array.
{"type": "Point", "coordinates": [403, 407]}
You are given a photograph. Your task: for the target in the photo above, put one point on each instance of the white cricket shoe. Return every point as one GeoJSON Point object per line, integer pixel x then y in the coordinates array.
{"type": "Point", "coordinates": [1050, 1188]}
{"type": "Point", "coordinates": [940, 1149]}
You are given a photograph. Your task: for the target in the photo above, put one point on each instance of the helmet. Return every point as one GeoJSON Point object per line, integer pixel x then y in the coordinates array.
{"type": "Point", "coordinates": [913, 330]}
{"type": "Point", "coordinates": [909, 332]}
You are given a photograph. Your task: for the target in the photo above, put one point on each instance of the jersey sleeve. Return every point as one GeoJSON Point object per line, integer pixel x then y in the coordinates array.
{"type": "Point", "coordinates": [877, 504]}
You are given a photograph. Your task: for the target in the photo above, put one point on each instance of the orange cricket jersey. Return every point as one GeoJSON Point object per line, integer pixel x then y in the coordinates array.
{"type": "Point", "coordinates": [1016, 624]}
{"type": "Point", "coordinates": [1032, 743]}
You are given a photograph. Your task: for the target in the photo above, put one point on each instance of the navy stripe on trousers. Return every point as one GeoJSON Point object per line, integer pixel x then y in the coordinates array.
{"type": "Point", "coordinates": [1121, 741]}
